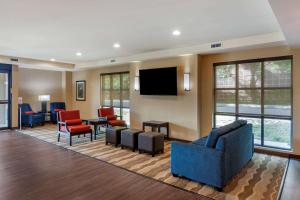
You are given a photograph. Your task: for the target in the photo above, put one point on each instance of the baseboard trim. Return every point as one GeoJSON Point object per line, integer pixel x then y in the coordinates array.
{"type": "Point", "coordinates": [286, 154]}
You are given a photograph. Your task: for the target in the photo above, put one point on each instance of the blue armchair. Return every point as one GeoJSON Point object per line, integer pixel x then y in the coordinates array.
{"type": "Point", "coordinates": [55, 107]}
{"type": "Point", "coordinates": [30, 118]}
{"type": "Point", "coordinates": [215, 159]}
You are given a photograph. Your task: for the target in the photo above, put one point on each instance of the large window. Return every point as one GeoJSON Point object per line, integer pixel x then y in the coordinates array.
{"type": "Point", "coordinates": [115, 93]}
{"type": "Point", "coordinates": [259, 91]}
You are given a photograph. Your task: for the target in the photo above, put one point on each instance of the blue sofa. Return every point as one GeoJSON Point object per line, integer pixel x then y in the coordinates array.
{"type": "Point", "coordinates": [215, 159]}
{"type": "Point", "coordinates": [30, 118]}
{"type": "Point", "coordinates": [54, 108]}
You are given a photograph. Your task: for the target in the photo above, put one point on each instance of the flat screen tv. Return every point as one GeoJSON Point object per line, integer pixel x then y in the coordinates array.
{"type": "Point", "coordinates": [159, 81]}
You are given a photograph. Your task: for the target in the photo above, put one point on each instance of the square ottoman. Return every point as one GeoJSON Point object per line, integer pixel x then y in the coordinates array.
{"type": "Point", "coordinates": [129, 138]}
{"type": "Point", "coordinates": [151, 142]}
{"type": "Point", "coordinates": [113, 135]}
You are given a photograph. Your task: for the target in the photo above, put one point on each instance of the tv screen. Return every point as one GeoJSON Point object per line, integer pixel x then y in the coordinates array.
{"type": "Point", "coordinates": [160, 81]}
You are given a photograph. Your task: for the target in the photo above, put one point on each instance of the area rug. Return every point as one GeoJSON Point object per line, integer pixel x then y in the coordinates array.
{"type": "Point", "coordinates": [260, 179]}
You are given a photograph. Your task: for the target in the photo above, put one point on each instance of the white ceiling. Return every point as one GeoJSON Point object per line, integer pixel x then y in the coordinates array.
{"type": "Point", "coordinates": [288, 15]}
{"type": "Point", "coordinates": [59, 28]}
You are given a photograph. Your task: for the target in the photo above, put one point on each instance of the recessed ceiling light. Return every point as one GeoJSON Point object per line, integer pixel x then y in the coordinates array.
{"type": "Point", "coordinates": [78, 54]}
{"type": "Point", "coordinates": [135, 61]}
{"type": "Point", "coordinates": [117, 45]}
{"type": "Point", "coordinates": [176, 33]}
{"type": "Point", "coordinates": [187, 54]}
{"type": "Point", "coordinates": [52, 59]}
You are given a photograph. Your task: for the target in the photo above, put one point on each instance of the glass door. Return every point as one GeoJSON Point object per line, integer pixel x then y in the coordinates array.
{"type": "Point", "coordinates": [5, 97]}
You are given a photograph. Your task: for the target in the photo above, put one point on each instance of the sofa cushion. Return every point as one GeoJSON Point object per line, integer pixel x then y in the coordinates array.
{"type": "Point", "coordinates": [77, 129]}
{"type": "Point", "coordinates": [72, 122]}
{"type": "Point", "coordinates": [200, 142]}
{"type": "Point", "coordinates": [117, 123]}
{"type": "Point", "coordinates": [111, 117]}
{"type": "Point", "coordinates": [216, 133]}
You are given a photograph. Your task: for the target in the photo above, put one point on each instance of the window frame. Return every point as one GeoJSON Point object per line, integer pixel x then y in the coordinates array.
{"type": "Point", "coordinates": [262, 88]}
{"type": "Point", "coordinates": [102, 90]}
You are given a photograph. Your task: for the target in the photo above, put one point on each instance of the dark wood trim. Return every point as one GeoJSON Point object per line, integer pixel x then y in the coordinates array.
{"type": "Point", "coordinates": [276, 152]}
{"type": "Point", "coordinates": [112, 73]}
{"type": "Point", "coordinates": [254, 60]}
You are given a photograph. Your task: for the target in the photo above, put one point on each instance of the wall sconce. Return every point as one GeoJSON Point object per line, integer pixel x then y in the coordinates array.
{"type": "Point", "coordinates": [137, 83]}
{"type": "Point", "coordinates": [186, 82]}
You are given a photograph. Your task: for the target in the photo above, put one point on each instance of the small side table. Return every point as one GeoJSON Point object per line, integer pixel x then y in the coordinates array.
{"type": "Point", "coordinates": [96, 123]}
{"type": "Point", "coordinates": [157, 124]}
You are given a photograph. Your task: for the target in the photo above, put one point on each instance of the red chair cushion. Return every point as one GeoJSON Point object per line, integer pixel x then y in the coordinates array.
{"type": "Point", "coordinates": [117, 123]}
{"type": "Point", "coordinates": [104, 112]}
{"type": "Point", "coordinates": [77, 129]}
{"type": "Point", "coordinates": [72, 122]}
{"type": "Point", "coordinates": [29, 113]}
{"type": "Point", "coordinates": [57, 110]}
{"type": "Point", "coordinates": [69, 114]}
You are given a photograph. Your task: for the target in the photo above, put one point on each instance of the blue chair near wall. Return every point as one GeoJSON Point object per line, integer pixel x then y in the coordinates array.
{"type": "Point", "coordinates": [30, 118]}
{"type": "Point", "coordinates": [55, 107]}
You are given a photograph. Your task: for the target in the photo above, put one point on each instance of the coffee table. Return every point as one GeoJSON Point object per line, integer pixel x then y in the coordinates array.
{"type": "Point", "coordinates": [157, 124]}
{"type": "Point", "coordinates": [96, 123]}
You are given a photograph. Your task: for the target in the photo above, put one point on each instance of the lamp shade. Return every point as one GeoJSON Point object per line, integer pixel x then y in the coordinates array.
{"type": "Point", "coordinates": [20, 100]}
{"type": "Point", "coordinates": [136, 83]}
{"type": "Point", "coordinates": [186, 82]}
{"type": "Point", "coordinates": [44, 97]}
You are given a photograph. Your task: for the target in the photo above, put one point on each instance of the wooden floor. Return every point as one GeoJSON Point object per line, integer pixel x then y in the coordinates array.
{"type": "Point", "coordinates": [291, 190]}
{"type": "Point", "coordinates": [32, 169]}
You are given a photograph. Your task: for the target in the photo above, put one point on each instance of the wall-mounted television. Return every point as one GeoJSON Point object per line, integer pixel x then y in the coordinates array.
{"type": "Point", "coordinates": [158, 81]}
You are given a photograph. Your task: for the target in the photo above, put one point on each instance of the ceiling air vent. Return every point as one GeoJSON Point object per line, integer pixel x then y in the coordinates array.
{"type": "Point", "coordinates": [216, 45]}
{"type": "Point", "coordinates": [14, 59]}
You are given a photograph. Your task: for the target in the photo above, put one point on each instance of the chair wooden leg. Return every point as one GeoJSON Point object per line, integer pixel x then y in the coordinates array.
{"type": "Point", "coordinates": [70, 140]}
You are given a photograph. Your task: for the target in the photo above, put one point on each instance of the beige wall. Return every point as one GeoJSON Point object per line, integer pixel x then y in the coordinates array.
{"type": "Point", "coordinates": [88, 108]}
{"type": "Point", "coordinates": [181, 111]}
{"type": "Point", "coordinates": [66, 84]}
{"type": "Point", "coordinates": [33, 83]}
{"type": "Point", "coordinates": [206, 84]}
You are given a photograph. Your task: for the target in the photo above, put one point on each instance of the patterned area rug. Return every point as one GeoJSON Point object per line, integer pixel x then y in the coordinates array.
{"type": "Point", "coordinates": [260, 179]}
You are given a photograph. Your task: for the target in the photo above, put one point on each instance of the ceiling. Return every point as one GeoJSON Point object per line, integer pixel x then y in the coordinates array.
{"type": "Point", "coordinates": [288, 16]}
{"type": "Point", "coordinates": [58, 29]}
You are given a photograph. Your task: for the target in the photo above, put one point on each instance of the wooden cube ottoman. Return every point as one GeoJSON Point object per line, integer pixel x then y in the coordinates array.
{"type": "Point", "coordinates": [151, 142]}
{"type": "Point", "coordinates": [113, 135]}
{"type": "Point", "coordinates": [129, 138]}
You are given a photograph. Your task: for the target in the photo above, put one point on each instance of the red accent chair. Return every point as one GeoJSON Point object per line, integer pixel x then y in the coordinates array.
{"type": "Point", "coordinates": [70, 124]}
{"type": "Point", "coordinates": [109, 114]}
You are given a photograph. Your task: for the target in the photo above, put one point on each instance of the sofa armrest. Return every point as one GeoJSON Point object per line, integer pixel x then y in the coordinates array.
{"type": "Point", "coordinates": [198, 163]}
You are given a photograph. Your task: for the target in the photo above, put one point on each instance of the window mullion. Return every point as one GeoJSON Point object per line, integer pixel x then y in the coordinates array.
{"type": "Point", "coordinates": [262, 106]}
{"type": "Point", "coordinates": [236, 91]}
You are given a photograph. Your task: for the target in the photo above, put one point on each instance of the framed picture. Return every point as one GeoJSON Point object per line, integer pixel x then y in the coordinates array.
{"type": "Point", "coordinates": [80, 90]}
